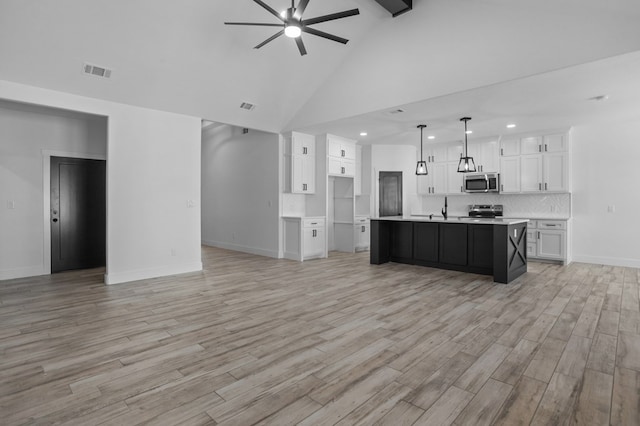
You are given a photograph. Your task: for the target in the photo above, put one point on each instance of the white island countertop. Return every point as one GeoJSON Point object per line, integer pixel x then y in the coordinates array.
{"type": "Point", "coordinates": [454, 219]}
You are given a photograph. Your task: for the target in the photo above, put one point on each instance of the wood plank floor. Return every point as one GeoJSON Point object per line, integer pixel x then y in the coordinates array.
{"type": "Point", "coordinates": [253, 340]}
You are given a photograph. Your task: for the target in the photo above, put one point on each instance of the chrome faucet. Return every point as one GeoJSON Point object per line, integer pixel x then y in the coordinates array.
{"type": "Point", "coordinates": [444, 211]}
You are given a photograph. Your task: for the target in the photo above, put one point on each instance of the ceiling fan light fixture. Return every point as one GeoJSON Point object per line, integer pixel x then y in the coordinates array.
{"type": "Point", "coordinates": [292, 30]}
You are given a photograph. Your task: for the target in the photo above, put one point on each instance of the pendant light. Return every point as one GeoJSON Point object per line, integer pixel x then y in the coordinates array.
{"type": "Point", "coordinates": [466, 164]}
{"type": "Point", "coordinates": [421, 168]}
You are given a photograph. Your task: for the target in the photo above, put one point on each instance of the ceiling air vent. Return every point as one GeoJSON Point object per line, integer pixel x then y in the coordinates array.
{"type": "Point", "coordinates": [396, 111]}
{"type": "Point", "coordinates": [247, 106]}
{"type": "Point", "coordinates": [96, 71]}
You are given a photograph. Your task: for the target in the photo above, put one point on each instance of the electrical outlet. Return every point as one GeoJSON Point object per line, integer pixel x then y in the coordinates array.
{"type": "Point", "coordinates": [191, 203]}
{"type": "Point", "coordinates": [11, 204]}
{"type": "Point", "coordinates": [611, 208]}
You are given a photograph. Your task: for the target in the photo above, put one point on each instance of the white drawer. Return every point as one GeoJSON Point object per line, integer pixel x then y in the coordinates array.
{"type": "Point", "coordinates": [552, 224]}
{"type": "Point", "coordinates": [532, 224]}
{"type": "Point", "coordinates": [313, 222]}
{"type": "Point", "coordinates": [361, 220]}
{"type": "Point", "coordinates": [531, 236]}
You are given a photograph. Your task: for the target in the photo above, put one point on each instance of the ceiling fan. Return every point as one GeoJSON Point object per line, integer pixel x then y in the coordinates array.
{"type": "Point", "coordinates": [293, 25]}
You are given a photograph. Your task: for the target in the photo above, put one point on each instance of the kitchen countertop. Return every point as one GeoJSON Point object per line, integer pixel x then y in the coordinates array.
{"type": "Point", "coordinates": [454, 219]}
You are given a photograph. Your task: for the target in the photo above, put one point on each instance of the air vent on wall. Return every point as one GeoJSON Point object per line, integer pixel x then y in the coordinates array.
{"type": "Point", "coordinates": [247, 106]}
{"type": "Point", "coordinates": [96, 71]}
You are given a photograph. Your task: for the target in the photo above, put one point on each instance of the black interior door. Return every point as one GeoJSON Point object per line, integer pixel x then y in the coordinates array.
{"type": "Point", "coordinates": [78, 213]}
{"type": "Point", "coordinates": [390, 194]}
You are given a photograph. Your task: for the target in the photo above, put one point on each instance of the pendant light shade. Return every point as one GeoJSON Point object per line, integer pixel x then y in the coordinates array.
{"type": "Point", "coordinates": [421, 168]}
{"type": "Point", "coordinates": [466, 164]}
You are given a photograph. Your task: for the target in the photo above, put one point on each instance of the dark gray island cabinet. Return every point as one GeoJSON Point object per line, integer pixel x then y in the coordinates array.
{"type": "Point", "coordinates": [495, 247]}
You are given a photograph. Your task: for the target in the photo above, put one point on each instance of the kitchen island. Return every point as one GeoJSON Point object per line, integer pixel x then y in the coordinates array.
{"type": "Point", "coordinates": [495, 247]}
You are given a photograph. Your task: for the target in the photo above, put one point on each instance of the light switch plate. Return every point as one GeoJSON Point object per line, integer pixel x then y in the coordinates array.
{"type": "Point", "coordinates": [11, 204]}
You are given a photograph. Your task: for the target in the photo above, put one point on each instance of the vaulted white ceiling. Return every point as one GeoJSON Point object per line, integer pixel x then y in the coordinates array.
{"type": "Point", "coordinates": [180, 57]}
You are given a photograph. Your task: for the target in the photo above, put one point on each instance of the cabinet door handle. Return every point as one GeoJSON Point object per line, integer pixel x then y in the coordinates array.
{"type": "Point", "coordinates": [538, 234]}
{"type": "Point", "coordinates": [304, 149]}
{"type": "Point", "coordinates": [314, 233]}
{"type": "Point", "coordinates": [545, 147]}
{"type": "Point", "coordinates": [363, 228]}
{"type": "Point", "coordinates": [342, 152]}
{"type": "Point", "coordinates": [539, 148]}
{"type": "Point", "coordinates": [342, 170]}
{"type": "Point", "coordinates": [546, 186]}
{"type": "Point", "coordinates": [304, 186]}
{"type": "Point", "coordinates": [501, 151]}
{"type": "Point", "coordinates": [461, 189]}
{"type": "Point", "coordinates": [540, 186]}
{"type": "Point", "coordinates": [501, 187]}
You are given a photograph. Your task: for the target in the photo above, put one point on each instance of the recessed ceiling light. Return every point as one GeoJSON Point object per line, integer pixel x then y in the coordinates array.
{"type": "Point", "coordinates": [363, 133]}
{"type": "Point", "coordinates": [431, 137]}
{"type": "Point", "coordinates": [510, 126]}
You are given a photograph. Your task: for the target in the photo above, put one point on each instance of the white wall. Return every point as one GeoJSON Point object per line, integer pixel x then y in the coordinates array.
{"type": "Point", "coordinates": [153, 169]}
{"type": "Point", "coordinates": [240, 190]}
{"type": "Point", "coordinates": [25, 131]}
{"type": "Point", "coordinates": [605, 173]}
{"type": "Point", "coordinates": [394, 158]}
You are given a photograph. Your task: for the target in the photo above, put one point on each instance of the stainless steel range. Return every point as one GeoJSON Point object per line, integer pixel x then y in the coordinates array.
{"type": "Point", "coordinates": [489, 211]}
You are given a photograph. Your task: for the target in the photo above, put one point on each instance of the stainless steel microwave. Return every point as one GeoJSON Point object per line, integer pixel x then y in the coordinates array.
{"type": "Point", "coordinates": [482, 182]}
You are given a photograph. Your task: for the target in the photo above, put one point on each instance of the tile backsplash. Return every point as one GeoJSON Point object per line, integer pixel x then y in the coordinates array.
{"type": "Point", "coordinates": [552, 206]}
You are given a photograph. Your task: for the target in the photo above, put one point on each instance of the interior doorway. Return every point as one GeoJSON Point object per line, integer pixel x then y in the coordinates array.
{"type": "Point", "coordinates": [390, 194]}
{"type": "Point", "coordinates": [77, 213]}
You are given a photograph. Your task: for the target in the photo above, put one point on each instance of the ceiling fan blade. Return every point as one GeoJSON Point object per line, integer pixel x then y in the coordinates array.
{"type": "Point", "coordinates": [269, 9]}
{"type": "Point", "coordinates": [331, 17]}
{"type": "Point", "coordinates": [301, 47]}
{"type": "Point", "coordinates": [324, 35]}
{"type": "Point", "coordinates": [259, 24]}
{"type": "Point", "coordinates": [273, 37]}
{"type": "Point", "coordinates": [302, 5]}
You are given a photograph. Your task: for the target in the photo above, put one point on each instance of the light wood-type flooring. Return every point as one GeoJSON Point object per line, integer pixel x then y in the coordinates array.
{"type": "Point", "coordinates": [332, 341]}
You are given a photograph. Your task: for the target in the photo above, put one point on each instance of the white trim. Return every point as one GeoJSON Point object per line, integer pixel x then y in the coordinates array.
{"type": "Point", "coordinates": [610, 261]}
{"type": "Point", "coordinates": [143, 274]}
{"type": "Point", "coordinates": [25, 272]}
{"type": "Point", "coordinates": [244, 249]}
{"type": "Point", "coordinates": [46, 191]}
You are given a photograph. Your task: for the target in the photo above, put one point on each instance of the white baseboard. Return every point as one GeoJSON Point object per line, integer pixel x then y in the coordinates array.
{"type": "Point", "coordinates": [29, 271]}
{"type": "Point", "coordinates": [143, 274]}
{"type": "Point", "coordinates": [244, 249]}
{"type": "Point", "coordinates": [610, 261]}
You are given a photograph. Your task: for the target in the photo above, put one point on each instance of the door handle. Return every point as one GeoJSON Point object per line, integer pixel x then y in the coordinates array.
{"type": "Point", "coordinates": [55, 219]}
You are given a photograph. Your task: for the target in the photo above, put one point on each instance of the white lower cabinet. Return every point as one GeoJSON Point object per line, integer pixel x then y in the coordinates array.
{"type": "Point", "coordinates": [547, 240]}
{"type": "Point", "coordinates": [304, 238]}
{"type": "Point", "coordinates": [361, 233]}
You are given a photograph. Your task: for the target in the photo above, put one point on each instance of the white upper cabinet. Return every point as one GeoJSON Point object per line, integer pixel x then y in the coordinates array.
{"type": "Point", "coordinates": [510, 174]}
{"type": "Point", "coordinates": [531, 173]}
{"type": "Point", "coordinates": [555, 143]}
{"type": "Point", "coordinates": [485, 155]}
{"type": "Point", "coordinates": [509, 147]}
{"type": "Point", "coordinates": [341, 153]}
{"type": "Point", "coordinates": [300, 163]}
{"type": "Point", "coordinates": [437, 153]}
{"type": "Point", "coordinates": [543, 163]}
{"type": "Point", "coordinates": [556, 172]}
{"type": "Point", "coordinates": [531, 145]}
